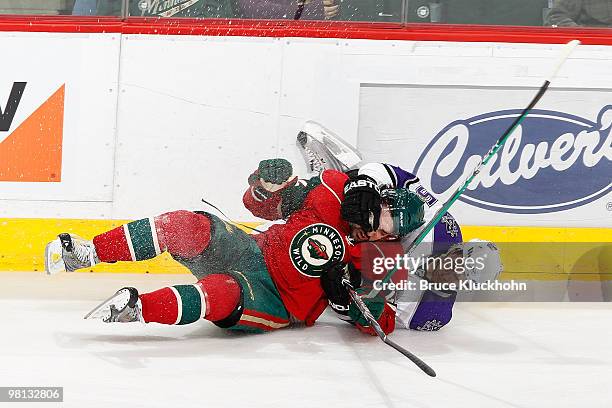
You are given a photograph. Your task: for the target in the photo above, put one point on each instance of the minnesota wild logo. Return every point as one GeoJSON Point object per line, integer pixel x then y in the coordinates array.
{"type": "Point", "coordinates": [317, 249]}
{"type": "Point", "coordinates": [315, 246]}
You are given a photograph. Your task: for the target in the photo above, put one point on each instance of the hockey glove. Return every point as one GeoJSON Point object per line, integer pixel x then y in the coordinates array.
{"type": "Point", "coordinates": [382, 312]}
{"type": "Point", "coordinates": [272, 175]}
{"type": "Point", "coordinates": [361, 204]}
{"type": "Point", "coordinates": [332, 281]}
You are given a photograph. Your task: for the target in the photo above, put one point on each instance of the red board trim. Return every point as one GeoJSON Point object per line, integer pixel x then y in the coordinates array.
{"type": "Point", "coordinates": [307, 29]}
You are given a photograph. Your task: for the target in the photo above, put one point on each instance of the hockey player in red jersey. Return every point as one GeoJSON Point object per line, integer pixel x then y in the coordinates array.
{"type": "Point", "coordinates": [245, 282]}
{"type": "Point", "coordinates": [370, 205]}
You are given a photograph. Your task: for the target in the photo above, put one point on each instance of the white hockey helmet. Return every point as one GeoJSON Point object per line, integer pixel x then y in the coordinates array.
{"type": "Point", "coordinates": [486, 265]}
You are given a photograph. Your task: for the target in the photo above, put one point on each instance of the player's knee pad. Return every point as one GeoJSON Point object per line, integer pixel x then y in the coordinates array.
{"type": "Point", "coordinates": [433, 312]}
{"type": "Point", "coordinates": [223, 299]}
{"type": "Point", "coordinates": [183, 233]}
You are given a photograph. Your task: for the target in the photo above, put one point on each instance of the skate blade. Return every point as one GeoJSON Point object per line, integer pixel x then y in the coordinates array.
{"type": "Point", "coordinates": [54, 263]}
{"type": "Point", "coordinates": [103, 312]}
{"type": "Point", "coordinates": [329, 149]}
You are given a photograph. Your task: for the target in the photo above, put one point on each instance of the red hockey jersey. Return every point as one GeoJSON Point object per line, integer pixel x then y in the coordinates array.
{"type": "Point", "coordinates": [314, 235]}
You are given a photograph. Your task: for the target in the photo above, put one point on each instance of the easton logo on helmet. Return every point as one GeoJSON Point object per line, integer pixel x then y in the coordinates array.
{"type": "Point", "coordinates": [315, 246]}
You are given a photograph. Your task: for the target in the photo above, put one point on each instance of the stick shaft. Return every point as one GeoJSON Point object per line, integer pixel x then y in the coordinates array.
{"type": "Point", "coordinates": [568, 48]}
{"type": "Point", "coordinates": [500, 142]}
{"type": "Point", "coordinates": [381, 334]}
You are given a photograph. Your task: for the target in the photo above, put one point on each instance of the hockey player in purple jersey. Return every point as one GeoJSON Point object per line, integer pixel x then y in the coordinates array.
{"type": "Point", "coordinates": [418, 309]}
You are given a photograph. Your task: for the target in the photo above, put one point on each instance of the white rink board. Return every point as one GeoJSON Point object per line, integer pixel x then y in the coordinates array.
{"type": "Point", "coordinates": [87, 64]}
{"type": "Point", "coordinates": [196, 114]}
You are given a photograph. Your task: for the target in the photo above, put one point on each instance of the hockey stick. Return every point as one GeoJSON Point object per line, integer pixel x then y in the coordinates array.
{"type": "Point", "coordinates": [569, 47]}
{"type": "Point", "coordinates": [379, 331]}
{"type": "Point", "coordinates": [567, 50]}
{"type": "Point", "coordinates": [228, 218]}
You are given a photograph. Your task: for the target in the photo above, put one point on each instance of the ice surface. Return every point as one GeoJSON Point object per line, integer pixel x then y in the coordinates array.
{"type": "Point", "coordinates": [491, 355]}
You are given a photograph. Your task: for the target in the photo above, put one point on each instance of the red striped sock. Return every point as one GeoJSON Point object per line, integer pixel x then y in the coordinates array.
{"type": "Point", "coordinates": [160, 306]}
{"type": "Point", "coordinates": [213, 298]}
{"type": "Point", "coordinates": [181, 233]}
{"type": "Point", "coordinates": [134, 241]}
{"type": "Point", "coordinates": [112, 246]}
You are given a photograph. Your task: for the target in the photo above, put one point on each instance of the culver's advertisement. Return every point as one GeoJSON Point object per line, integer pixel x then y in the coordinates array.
{"type": "Point", "coordinates": [554, 169]}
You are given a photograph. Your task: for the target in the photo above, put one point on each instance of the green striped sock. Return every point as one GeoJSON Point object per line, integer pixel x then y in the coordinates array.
{"type": "Point", "coordinates": [192, 305]}
{"type": "Point", "coordinates": [142, 239]}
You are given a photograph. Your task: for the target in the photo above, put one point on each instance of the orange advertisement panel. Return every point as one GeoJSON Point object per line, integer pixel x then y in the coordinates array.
{"type": "Point", "coordinates": [33, 151]}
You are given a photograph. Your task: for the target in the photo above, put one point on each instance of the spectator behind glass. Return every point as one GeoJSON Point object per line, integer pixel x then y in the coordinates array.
{"type": "Point", "coordinates": [85, 8]}
{"type": "Point", "coordinates": [256, 9]}
{"type": "Point", "coordinates": [285, 9]}
{"type": "Point", "coordinates": [157, 8]}
{"type": "Point", "coordinates": [588, 13]}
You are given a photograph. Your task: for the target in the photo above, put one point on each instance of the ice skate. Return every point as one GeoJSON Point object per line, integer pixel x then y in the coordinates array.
{"type": "Point", "coordinates": [69, 252]}
{"type": "Point", "coordinates": [123, 307]}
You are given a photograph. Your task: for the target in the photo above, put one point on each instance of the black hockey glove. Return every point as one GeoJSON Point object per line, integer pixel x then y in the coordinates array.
{"type": "Point", "coordinates": [362, 202]}
{"type": "Point", "coordinates": [332, 283]}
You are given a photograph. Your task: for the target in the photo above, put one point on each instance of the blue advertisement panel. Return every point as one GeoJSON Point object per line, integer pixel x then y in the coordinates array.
{"type": "Point", "coordinates": [555, 168]}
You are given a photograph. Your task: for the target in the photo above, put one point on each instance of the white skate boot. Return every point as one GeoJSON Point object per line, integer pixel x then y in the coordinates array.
{"type": "Point", "coordinates": [123, 307]}
{"type": "Point", "coordinates": [69, 252]}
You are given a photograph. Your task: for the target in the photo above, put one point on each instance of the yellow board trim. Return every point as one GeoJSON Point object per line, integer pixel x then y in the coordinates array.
{"type": "Point", "coordinates": [23, 240]}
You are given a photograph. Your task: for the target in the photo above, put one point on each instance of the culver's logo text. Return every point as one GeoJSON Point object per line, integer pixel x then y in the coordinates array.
{"type": "Point", "coordinates": [553, 161]}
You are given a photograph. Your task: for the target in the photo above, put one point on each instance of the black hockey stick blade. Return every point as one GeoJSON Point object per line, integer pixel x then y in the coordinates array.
{"type": "Point", "coordinates": [417, 361]}
{"type": "Point", "coordinates": [357, 300]}
{"type": "Point", "coordinates": [381, 334]}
